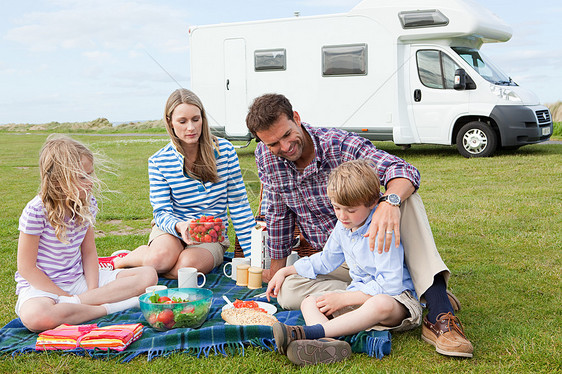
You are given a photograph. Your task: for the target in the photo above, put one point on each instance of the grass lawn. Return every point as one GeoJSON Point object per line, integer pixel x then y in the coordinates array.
{"type": "Point", "coordinates": [496, 221]}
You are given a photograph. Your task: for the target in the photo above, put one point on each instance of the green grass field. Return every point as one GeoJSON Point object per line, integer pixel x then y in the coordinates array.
{"type": "Point", "coordinates": [496, 221]}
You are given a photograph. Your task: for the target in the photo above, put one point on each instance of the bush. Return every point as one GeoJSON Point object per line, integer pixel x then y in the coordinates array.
{"type": "Point", "coordinates": [557, 131]}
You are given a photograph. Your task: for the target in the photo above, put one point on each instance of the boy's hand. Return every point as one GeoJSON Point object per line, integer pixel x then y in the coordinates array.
{"type": "Point", "coordinates": [275, 283]}
{"type": "Point", "coordinates": [331, 302]}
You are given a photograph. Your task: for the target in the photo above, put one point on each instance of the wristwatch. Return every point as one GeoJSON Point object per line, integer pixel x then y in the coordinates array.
{"type": "Point", "coordinates": [393, 199]}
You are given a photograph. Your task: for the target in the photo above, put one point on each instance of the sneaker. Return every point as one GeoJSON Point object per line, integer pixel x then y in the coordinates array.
{"type": "Point", "coordinates": [447, 336]}
{"type": "Point", "coordinates": [285, 334]}
{"type": "Point", "coordinates": [320, 351]}
{"type": "Point", "coordinates": [106, 263]}
{"type": "Point", "coordinates": [121, 253]}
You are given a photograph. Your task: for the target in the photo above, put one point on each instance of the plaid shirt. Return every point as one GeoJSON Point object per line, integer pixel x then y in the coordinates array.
{"type": "Point", "coordinates": [291, 197]}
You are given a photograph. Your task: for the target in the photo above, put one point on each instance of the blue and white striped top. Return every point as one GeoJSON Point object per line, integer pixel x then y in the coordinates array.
{"type": "Point", "coordinates": [176, 197]}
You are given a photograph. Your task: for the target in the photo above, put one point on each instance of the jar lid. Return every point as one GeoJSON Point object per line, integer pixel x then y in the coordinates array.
{"type": "Point", "coordinates": [242, 266]}
{"type": "Point", "coordinates": [255, 269]}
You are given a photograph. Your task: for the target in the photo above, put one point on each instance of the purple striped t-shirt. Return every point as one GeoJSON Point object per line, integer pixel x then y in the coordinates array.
{"type": "Point", "coordinates": [61, 262]}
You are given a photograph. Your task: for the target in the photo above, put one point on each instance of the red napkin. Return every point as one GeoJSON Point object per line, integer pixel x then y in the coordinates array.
{"type": "Point", "coordinates": [116, 337]}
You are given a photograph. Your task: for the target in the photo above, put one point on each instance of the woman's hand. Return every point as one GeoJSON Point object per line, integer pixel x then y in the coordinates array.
{"type": "Point", "coordinates": [182, 228]}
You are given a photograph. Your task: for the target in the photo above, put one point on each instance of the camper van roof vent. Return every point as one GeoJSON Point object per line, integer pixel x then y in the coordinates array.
{"type": "Point", "coordinates": [414, 19]}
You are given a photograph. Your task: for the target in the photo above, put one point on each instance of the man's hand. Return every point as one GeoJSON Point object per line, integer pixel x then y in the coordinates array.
{"type": "Point", "coordinates": [386, 220]}
{"type": "Point", "coordinates": [268, 274]}
{"type": "Point", "coordinates": [387, 217]}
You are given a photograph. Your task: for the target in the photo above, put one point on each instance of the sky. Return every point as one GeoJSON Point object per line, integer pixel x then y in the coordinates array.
{"type": "Point", "coordinates": [78, 60]}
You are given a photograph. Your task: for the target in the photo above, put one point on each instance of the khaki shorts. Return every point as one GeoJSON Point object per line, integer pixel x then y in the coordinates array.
{"type": "Point", "coordinates": [216, 249]}
{"type": "Point", "coordinates": [405, 298]}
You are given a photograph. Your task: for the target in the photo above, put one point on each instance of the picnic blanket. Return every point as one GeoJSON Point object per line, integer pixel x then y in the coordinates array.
{"type": "Point", "coordinates": [213, 337]}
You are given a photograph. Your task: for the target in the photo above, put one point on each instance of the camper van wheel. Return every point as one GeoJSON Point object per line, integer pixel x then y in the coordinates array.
{"type": "Point", "coordinates": [476, 139]}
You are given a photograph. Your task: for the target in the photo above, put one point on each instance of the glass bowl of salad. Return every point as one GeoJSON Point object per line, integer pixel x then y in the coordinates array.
{"type": "Point", "coordinates": [176, 307]}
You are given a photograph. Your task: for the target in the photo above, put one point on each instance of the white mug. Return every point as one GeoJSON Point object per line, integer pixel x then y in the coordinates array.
{"type": "Point", "coordinates": [188, 278]}
{"type": "Point", "coordinates": [158, 287]}
{"type": "Point", "coordinates": [235, 262]}
{"type": "Point", "coordinates": [293, 257]}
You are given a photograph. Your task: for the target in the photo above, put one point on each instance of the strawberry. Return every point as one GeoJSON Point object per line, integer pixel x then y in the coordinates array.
{"type": "Point", "coordinates": [207, 229]}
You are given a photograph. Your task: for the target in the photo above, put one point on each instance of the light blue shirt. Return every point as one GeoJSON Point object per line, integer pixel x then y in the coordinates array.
{"type": "Point", "coordinates": [176, 197]}
{"type": "Point", "coordinates": [371, 273]}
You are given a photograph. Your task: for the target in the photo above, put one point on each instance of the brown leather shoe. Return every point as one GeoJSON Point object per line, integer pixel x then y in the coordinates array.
{"type": "Point", "coordinates": [455, 303]}
{"type": "Point", "coordinates": [447, 336]}
{"type": "Point", "coordinates": [285, 334]}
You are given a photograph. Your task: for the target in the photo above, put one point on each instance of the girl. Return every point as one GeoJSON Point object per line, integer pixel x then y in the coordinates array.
{"type": "Point", "coordinates": [58, 280]}
{"type": "Point", "coordinates": [196, 174]}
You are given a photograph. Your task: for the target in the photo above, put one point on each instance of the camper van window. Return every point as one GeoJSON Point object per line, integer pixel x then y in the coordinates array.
{"type": "Point", "coordinates": [348, 59]}
{"type": "Point", "coordinates": [270, 59]}
{"type": "Point", "coordinates": [484, 66]}
{"type": "Point", "coordinates": [422, 18]}
{"type": "Point", "coordinates": [436, 69]}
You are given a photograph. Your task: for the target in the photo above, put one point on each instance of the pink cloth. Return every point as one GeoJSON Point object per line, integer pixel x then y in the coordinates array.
{"type": "Point", "coordinates": [116, 337]}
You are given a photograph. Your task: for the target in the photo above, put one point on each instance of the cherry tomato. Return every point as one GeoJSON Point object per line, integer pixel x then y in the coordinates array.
{"type": "Point", "coordinates": [166, 317]}
{"type": "Point", "coordinates": [163, 299]}
{"type": "Point", "coordinates": [152, 318]}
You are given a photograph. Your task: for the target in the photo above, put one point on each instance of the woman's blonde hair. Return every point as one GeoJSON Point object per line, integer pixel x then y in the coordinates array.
{"type": "Point", "coordinates": [354, 183]}
{"type": "Point", "coordinates": [205, 167]}
{"type": "Point", "coordinates": [62, 180]}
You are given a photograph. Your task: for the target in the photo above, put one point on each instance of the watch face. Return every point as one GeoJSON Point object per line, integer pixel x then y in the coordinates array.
{"type": "Point", "coordinates": [394, 199]}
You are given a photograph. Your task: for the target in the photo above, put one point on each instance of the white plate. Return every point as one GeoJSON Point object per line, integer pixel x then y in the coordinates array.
{"type": "Point", "coordinates": [269, 308]}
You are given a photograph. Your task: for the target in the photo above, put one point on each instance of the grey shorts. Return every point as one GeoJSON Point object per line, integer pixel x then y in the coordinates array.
{"type": "Point", "coordinates": [405, 298]}
{"type": "Point", "coordinates": [216, 249]}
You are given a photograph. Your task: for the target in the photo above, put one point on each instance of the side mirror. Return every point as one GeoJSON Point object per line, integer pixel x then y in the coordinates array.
{"type": "Point", "coordinates": [460, 79]}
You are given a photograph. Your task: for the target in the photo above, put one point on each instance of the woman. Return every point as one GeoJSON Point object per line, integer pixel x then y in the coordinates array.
{"type": "Point", "coordinates": [195, 175]}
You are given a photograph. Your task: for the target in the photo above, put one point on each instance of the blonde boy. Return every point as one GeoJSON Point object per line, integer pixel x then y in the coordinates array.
{"type": "Point", "coordinates": [381, 294]}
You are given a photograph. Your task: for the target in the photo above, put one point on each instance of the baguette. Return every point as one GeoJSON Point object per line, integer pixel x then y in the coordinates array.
{"type": "Point", "coordinates": [247, 316]}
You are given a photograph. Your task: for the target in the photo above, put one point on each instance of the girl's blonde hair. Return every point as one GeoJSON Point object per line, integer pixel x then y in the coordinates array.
{"type": "Point", "coordinates": [63, 178]}
{"type": "Point", "coordinates": [205, 167]}
{"type": "Point", "coordinates": [354, 183]}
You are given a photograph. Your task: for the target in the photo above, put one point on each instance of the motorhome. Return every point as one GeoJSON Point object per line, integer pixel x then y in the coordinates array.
{"type": "Point", "coordinates": [408, 71]}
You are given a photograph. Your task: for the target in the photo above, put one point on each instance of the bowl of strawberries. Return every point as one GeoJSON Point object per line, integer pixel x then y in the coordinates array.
{"type": "Point", "coordinates": [206, 229]}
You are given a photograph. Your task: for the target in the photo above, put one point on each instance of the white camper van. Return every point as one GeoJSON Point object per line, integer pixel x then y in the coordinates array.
{"type": "Point", "coordinates": [409, 71]}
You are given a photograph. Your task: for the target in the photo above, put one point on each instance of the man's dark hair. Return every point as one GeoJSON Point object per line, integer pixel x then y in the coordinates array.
{"type": "Point", "coordinates": [265, 110]}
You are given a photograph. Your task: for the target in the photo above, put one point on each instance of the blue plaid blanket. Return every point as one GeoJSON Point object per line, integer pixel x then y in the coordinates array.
{"type": "Point", "coordinates": [213, 337]}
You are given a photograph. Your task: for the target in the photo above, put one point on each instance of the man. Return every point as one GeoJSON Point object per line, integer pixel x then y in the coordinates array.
{"type": "Point", "coordinates": [294, 161]}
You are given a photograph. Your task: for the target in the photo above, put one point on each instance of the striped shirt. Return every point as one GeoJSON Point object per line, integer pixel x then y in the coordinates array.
{"type": "Point", "coordinates": [176, 197]}
{"type": "Point", "coordinates": [291, 197]}
{"type": "Point", "coordinates": [61, 262]}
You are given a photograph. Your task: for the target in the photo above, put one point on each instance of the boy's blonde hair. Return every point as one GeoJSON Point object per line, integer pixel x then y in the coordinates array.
{"type": "Point", "coordinates": [354, 183]}
{"type": "Point", "coordinates": [62, 179]}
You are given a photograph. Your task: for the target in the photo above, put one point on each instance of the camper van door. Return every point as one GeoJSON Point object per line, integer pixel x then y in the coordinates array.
{"type": "Point", "coordinates": [434, 102]}
{"type": "Point", "coordinates": [235, 87]}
